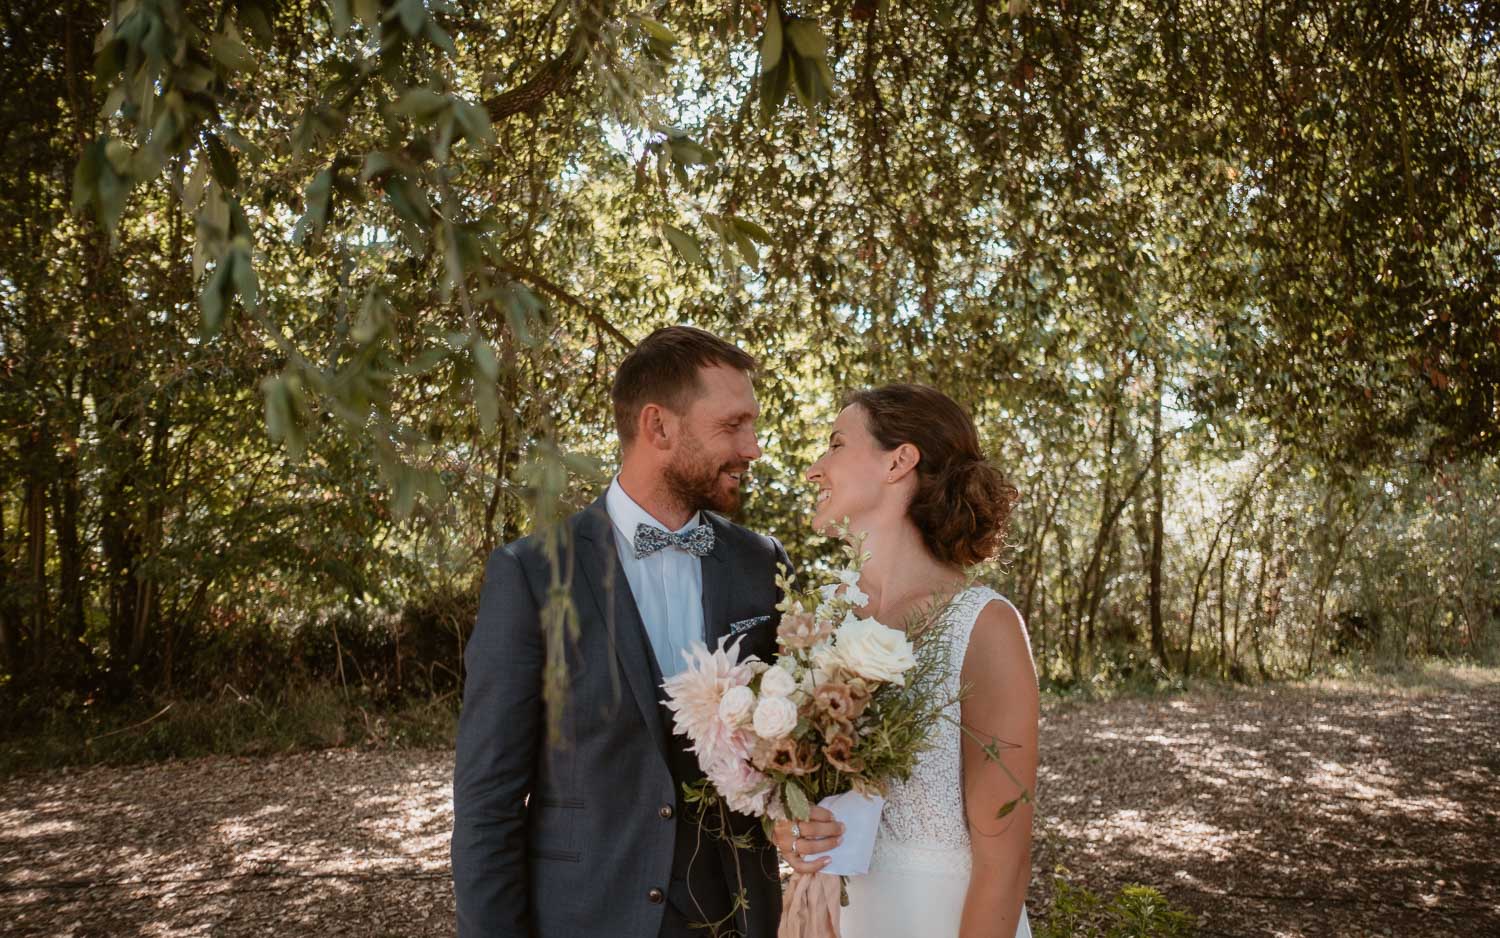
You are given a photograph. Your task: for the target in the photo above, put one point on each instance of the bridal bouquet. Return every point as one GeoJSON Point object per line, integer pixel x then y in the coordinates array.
{"type": "Point", "coordinates": [847, 706]}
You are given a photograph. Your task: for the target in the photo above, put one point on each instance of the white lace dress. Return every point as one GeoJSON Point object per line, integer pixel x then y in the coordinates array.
{"type": "Point", "coordinates": [919, 874]}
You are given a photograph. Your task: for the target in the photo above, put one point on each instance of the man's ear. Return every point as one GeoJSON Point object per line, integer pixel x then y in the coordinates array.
{"type": "Point", "coordinates": [656, 427]}
{"type": "Point", "coordinates": [903, 461]}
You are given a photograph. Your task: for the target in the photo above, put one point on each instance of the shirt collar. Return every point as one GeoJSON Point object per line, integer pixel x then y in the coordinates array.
{"type": "Point", "coordinates": [627, 515]}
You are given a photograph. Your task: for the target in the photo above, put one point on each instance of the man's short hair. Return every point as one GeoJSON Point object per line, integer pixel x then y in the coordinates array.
{"type": "Point", "coordinates": [663, 370]}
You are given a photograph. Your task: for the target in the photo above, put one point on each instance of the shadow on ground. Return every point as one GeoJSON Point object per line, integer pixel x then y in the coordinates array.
{"type": "Point", "coordinates": [1303, 811]}
{"type": "Point", "coordinates": [331, 843]}
{"type": "Point", "coordinates": [1298, 811]}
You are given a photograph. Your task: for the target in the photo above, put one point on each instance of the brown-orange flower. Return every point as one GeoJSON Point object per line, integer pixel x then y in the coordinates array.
{"type": "Point", "coordinates": [839, 750]}
{"type": "Point", "coordinates": [839, 701]}
{"type": "Point", "coordinates": [791, 757]}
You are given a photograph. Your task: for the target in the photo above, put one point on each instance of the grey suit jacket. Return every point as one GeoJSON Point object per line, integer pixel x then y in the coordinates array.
{"type": "Point", "coordinates": [574, 835]}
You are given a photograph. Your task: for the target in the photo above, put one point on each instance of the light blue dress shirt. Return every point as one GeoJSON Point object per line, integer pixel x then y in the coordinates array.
{"type": "Point", "coordinates": [667, 585]}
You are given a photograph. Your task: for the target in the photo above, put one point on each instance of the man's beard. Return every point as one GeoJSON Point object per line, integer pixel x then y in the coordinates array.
{"type": "Point", "coordinates": [693, 480]}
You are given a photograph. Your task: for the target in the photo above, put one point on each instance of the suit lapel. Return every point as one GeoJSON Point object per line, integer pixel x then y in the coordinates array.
{"type": "Point", "coordinates": [716, 586]}
{"type": "Point", "coordinates": [599, 560]}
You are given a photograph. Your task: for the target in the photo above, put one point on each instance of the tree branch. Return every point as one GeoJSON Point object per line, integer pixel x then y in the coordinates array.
{"type": "Point", "coordinates": [557, 73]}
{"type": "Point", "coordinates": [557, 292]}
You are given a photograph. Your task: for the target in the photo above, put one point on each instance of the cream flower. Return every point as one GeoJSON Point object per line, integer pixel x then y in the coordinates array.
{"type": "Point", "coordinates": [873, 651]}
{"type": "Point", "coordinates": [776, 682]}
{"type": "Point", "coordinates": [736, 706]}
{"type": "Point", "coordinates": [694, 695]}
{"type": "Point", "coordinates": [774, 717]}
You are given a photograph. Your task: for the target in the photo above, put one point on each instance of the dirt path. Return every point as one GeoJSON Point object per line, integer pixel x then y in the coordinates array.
{"type": "Point", "coordinates": [1310, 811]}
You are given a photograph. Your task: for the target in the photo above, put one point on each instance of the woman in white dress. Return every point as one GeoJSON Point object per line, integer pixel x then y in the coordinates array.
{"type": "Point", "coordinates": [904, 467]}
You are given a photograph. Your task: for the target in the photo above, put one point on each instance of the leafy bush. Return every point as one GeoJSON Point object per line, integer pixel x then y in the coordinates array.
{"type": "Point", "coordinates": [1132, 912]}
{"type": "Point", "coordinates": [299, 716]}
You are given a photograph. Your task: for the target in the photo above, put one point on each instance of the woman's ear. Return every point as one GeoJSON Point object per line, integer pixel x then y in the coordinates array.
{"type": "Point", "coordinates": [903, 461]}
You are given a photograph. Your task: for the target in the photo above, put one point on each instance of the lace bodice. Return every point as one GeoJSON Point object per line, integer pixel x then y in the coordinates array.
{"type": "Point", "coordinates": [924, 823]}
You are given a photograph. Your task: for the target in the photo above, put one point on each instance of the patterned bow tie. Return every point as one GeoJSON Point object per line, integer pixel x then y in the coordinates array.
{"type": "Point", "coordinates": [649, 539]}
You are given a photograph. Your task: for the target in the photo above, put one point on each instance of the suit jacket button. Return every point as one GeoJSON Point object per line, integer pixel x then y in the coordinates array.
{"type": "Point", "coordinates": [665, 812]}
{"type": "Point", "coordinates": [655, 895]}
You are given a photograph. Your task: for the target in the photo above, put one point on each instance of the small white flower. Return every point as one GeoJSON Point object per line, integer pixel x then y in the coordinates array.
{"type": "Point", "coordinates": [810, 679]}
{"type": "Point", "coordinates": [776, 682]}
{"type": "Point", "coordinates": [775, 717]}
{"type": "Point", "coordinates": [852, 592]}
{"type": "Point", "coordinates": [736, 706]}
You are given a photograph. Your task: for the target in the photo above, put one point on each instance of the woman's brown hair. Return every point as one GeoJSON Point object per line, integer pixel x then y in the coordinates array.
{"type": "Point", "coordinates": [962, 503]}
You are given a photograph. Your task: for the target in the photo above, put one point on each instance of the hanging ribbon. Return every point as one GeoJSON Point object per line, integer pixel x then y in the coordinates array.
{"type": "Point", "coordinates": [810, 906]}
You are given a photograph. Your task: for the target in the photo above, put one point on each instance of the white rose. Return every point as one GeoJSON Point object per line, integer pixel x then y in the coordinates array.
{"type": "Point", "coordinates": [776, 682]}
{"type": "Point", "coordinates": [736, 705]}
{"type": "Point", "coordinates": [873, 651]}
{"type": "Point", "coordinates": [775, 717]}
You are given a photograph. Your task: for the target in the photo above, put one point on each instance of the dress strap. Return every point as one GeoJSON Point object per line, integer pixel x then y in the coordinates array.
{"type": "Point", "coordinates": [963, 612]}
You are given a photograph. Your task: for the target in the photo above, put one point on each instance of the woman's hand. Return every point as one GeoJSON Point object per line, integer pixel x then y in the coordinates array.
{"type": "Point", "coordinates": [799, 840]}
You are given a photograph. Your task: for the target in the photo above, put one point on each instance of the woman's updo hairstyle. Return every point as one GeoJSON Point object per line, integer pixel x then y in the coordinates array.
{"type": "Point", "coordinates": [962, 503]}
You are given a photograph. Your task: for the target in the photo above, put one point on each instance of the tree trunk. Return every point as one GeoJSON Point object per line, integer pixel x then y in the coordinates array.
{"type": "Point", "coordinates": [148, 587]}
{"type": "Point", "coordinates": [1223, 614]}
{"type": "Point", "coordinates": [1158, 532]}
{"type": "Point", "coordinates": [1046, 528]}
{"type": "Point", "coordinates": [1092, 588]}
{"type": "Point", "coordinates": [1245, 499]}
{"type": "Point", "coordinates": [119, 535]}
{"type": "Point", "coordinates": [1042, 630]}
{"type": "Point", "coordinates": [9, 618]}
{"type": "Point", "coordinates": [1325, 581]}
{"type": "Point", "coordinates": [1241, 582]}
{"type": "Point", "coordinates": [66, 500]}
{"type": "Point", "coordinates": [36, 562]}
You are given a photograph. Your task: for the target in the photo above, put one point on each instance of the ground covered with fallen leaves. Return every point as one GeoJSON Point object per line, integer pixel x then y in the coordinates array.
{"type": "Point", "coordinates": [1328, 809]}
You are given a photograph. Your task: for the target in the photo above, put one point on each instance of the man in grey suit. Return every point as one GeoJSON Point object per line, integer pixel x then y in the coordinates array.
{"type": "Point", "coordinates": [584, 831]}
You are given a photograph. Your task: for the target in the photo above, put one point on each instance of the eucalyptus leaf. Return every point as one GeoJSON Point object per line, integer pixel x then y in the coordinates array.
{"type": "Point", "coordinates": [807, 38]}
{"type": "Point", "coordinates": [421, 103]}
{"type": "Point", "coordinates": [771, 40]}
{"type": "Point", "coordinates": [341, 16]}
{"type": "Point", "coordinates": [796, 801]}
{"type": "Point", "coordinates": [657, 31]}
{"type": "Point", "coordinates": [232, 53]}
{"type": "Point", "coordinates": [485, 360]}
{"type": "Point", "coordinates": [686, 246]}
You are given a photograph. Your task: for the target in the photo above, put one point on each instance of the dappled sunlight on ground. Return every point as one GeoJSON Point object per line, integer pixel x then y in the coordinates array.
{"type": "Point", "coordinates": [332, 843]}
{"type": "Point", "coordinates": [1324, 810]}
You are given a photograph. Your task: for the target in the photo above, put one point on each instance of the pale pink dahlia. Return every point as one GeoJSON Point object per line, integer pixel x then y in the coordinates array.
{"type": "Point", "coordinates": [694, 693]}
{"type": "Point", "coordinates": [743, 788]}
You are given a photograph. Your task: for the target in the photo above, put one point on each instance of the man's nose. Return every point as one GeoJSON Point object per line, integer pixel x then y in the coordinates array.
{"type": "Point", "coordinates": [753, 453]}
